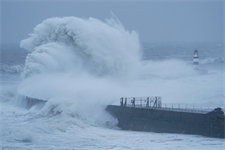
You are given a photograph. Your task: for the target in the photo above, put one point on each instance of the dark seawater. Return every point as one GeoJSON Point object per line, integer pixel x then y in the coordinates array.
{"type": "Point", "coordinates": [210, 54]}
{"type": "Point", "coordinates": [12, 55]}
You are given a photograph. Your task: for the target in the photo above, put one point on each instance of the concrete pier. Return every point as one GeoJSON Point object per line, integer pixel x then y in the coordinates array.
{"type": "Point", "coordinates": [210, 124]}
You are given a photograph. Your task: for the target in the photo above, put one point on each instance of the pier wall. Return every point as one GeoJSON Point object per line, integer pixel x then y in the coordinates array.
{"type": "Point", "coordinates": [166, 121]}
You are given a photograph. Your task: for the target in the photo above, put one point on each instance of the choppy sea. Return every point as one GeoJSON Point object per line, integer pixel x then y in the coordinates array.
{"type": "Point", "coordinates": [79, 66]}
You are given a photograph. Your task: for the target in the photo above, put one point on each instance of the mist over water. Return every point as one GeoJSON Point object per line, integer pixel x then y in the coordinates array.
{"type": "Point", "coordinates": [79, 66]}
{"type": "Point", "coordinates": [80, 63]}
{"type": "Point", "coordinates": [86, 63]}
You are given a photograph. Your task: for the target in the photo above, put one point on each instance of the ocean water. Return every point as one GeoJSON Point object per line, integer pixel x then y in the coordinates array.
{"type": "Point", "coordinates": [79, 66]}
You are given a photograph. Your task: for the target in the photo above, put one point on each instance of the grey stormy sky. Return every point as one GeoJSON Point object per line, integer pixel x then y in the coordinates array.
{"type": "Point", "coordinates": [163, 21]}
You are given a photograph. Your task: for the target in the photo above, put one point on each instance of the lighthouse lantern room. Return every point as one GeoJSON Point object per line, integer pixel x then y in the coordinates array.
{"type": "Point", "coordinates": [196, 60]}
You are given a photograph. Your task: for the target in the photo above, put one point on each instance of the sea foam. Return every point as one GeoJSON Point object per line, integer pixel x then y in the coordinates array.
{"type": "Point", "coordinates": [82, 65]}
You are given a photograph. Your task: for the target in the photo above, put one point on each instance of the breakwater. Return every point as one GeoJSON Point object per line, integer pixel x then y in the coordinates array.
{"type": "Point", "coordinates": [167, 120]}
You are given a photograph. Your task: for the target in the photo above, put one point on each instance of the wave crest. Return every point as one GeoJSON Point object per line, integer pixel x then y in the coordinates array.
{"type": "Point", "coordinates": [14, 69]}
{"type": "Point", "coordinates": [213, 61]}
{"type": "Point", "coordinates": [77, 45]}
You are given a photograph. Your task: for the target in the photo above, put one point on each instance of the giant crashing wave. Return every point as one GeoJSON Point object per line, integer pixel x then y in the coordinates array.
{"type": "Point", "coordinates": [73, 44]}
{"type": "Point", "coordinates": [85, 62]}
{"type": "Point", "coordinates": [70, 56]}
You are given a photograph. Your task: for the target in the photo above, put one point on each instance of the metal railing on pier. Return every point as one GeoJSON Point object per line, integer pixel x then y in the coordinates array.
{"type": "Point", "coordinates": [155, 102]}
